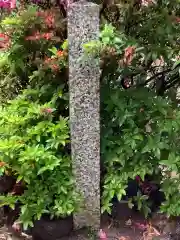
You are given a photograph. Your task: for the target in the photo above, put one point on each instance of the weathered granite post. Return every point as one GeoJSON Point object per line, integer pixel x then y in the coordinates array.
{"type": "Point", "coordinates": [83, 26]}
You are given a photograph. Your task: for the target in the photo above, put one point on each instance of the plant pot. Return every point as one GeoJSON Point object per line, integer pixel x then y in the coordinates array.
{"type": "Point", "coordinates": [6, 183]}
{"type": "Point", "coordinates": [46, 229]}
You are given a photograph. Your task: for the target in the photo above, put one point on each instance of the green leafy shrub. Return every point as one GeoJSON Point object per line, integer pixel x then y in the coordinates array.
{"type": "Point", "coordinates": [34, 124]}
{"type": "Point", "coordinates": [140, 130]}
{"type": "Point", "coordinates": [138, 138]}
{"type": "Point", "coordinates": [139, 108]}
{"type": "Point", "coordinates": [32, 148]}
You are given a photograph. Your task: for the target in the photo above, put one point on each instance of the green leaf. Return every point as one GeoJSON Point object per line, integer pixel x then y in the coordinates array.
{"type": "Point", "coordinates": [176, 64]}
{"type": "Point", "coordinates": [38, 138]}
{"type": "Point", "coordinates": [119, 196]}
{"type": "Point", "coordinates": [111, 193]}
{"type": "Point", "coordinates": [157, 153]}
{"type": "Point", "coordinates": [130, 204]}
{"type": "Point", "coordinates": [138, 137]}
{"type": "Point", "coordinates": [53, 50]}
{"type": "Point", "coordinates": [139, 205]}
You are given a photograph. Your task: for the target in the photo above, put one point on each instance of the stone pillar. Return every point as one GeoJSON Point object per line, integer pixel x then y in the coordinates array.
{"type": "Point", "coordinates": [83, 26]}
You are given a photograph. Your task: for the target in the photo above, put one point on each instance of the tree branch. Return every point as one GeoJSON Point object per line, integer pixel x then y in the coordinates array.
{"type": "Point", "coordinates": [154, 77]}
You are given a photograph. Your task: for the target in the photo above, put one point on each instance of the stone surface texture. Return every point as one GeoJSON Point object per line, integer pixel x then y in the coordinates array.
{"type": "Point", "coordinates": [83, 26]}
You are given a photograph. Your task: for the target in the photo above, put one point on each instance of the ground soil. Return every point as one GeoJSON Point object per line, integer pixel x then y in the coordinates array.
{"type": "Point", "coordinates": [119, 226]}
{"type": "Point", "coordinates": [124, 224]}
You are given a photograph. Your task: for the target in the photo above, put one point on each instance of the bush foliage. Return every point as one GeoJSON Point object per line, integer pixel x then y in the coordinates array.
{"type": "Point", "coordinates": [140, 127]}
{"type": "Point", "coordinates": [34, 143]}
{"type": "Point", "coordinates": [32, 148]}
